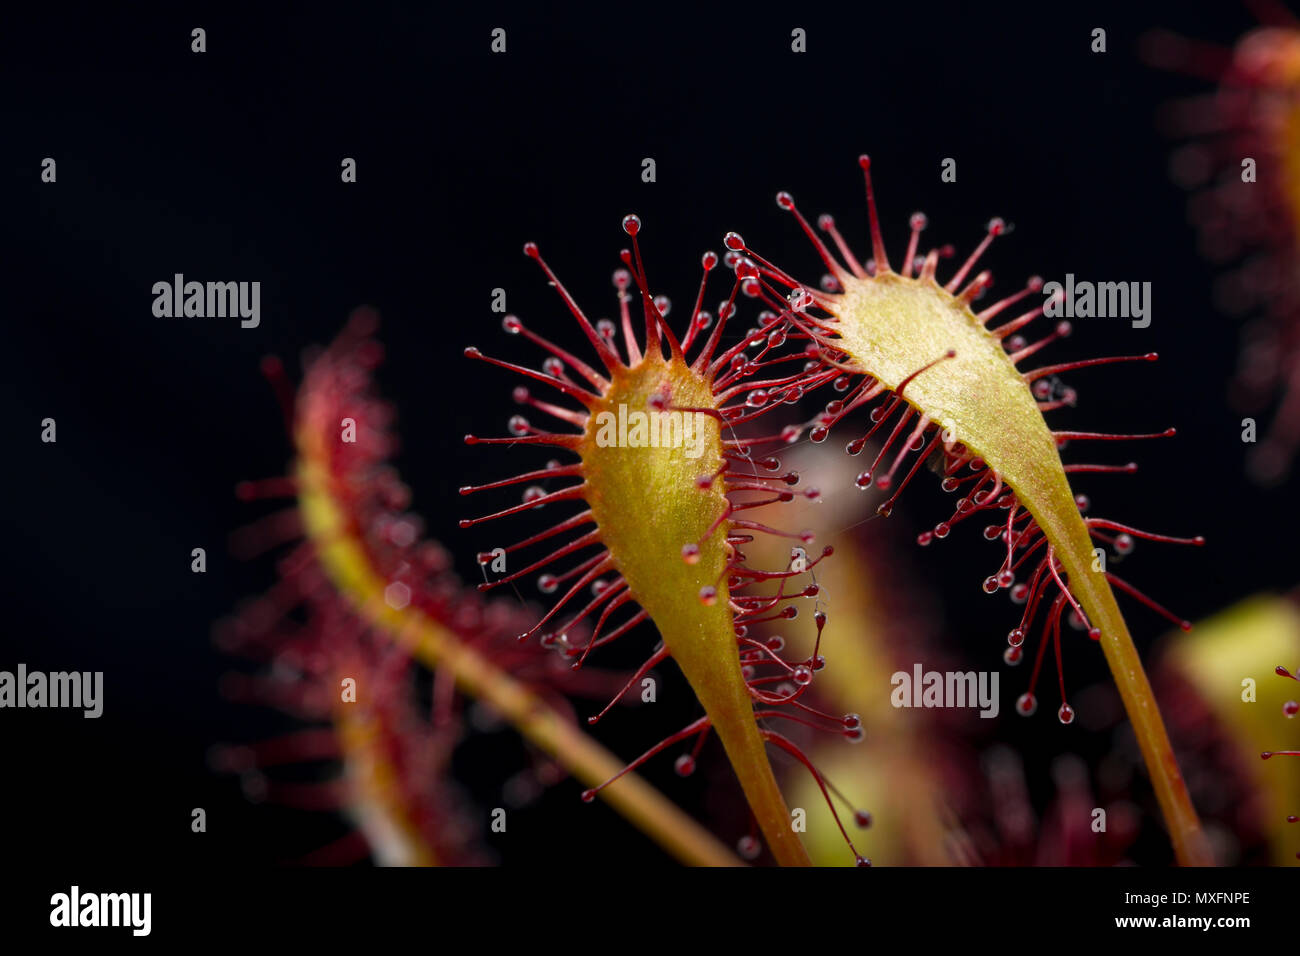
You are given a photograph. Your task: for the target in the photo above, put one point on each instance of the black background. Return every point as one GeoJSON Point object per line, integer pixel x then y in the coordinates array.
{"type": "Point", "coordinates": [225, 165]}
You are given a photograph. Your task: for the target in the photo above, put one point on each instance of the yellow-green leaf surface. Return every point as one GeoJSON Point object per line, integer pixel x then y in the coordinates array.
{"type": "Point", "coordinates": [891, 326]}
{"type": "Point", "coordinates": [1249, 640]}
{"type": "Point", "coordinates": [647, 504]}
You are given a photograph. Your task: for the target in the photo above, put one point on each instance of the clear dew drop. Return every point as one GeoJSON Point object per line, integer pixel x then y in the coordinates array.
{"type": "Point", "coordinates": [1026, 704]}
{"type": "Point", "coordinates": [1065, 714]}
{"type": "Point", "coordinates": [691, 553]}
